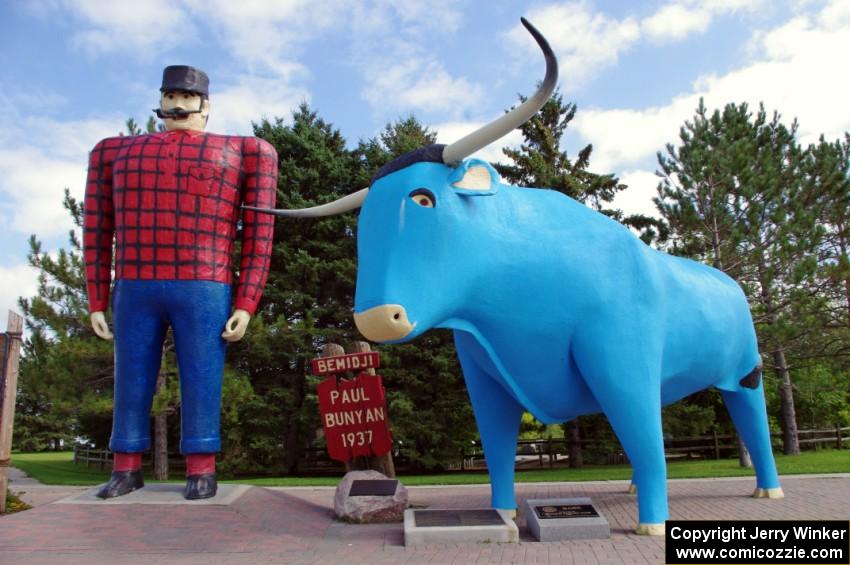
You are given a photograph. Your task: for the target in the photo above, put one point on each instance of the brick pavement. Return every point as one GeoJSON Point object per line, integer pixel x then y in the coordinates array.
{"type": "Point", "coordinates": [295, 525]}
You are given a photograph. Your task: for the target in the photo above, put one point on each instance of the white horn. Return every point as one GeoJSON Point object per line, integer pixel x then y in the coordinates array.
{"type": "Point", "coordinates": [466, 146]}
{"type": "Point", "coordinates": [339, 206]}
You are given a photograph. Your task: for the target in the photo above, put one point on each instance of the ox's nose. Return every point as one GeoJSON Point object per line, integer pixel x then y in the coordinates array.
{"type": "Point", "coordinates": [384, 323]}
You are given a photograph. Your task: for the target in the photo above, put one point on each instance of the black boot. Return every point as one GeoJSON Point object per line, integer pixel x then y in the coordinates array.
{"type": "Point", "coordinates": [121, 483]}
{"type": "Point", "coordinates": [200, 486]}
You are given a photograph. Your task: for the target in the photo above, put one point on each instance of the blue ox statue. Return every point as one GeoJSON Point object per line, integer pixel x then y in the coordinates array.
{"type": "Point", "coordinates": [556, 309]}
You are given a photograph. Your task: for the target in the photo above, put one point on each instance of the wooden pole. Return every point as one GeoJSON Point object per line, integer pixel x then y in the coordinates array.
{"type": "Point", "coordinates": [334, 350]}
{"type": "Point", "coordinates": [11, 350]}
{"type": "Point", "coordinates": [384, 463]}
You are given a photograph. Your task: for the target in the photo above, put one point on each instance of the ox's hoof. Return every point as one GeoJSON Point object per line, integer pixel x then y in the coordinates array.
{"type": "Point", "coordinates": [650, 530]}
{"type": "Point", "coordinates": [510, 512]}
{"type": "Point", "coordinates": [775, 493]}
{"type": "Point", "coordinates": [632, 489]}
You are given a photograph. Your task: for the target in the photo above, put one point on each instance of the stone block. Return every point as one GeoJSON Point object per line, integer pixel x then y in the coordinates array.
{"type": "Point", "coordinates": [458, 526]}
{"type": "Point", "coordinates": [555, 519]}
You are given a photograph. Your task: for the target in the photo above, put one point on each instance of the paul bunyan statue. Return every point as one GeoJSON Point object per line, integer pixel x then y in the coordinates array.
{"type": "Point", "coordinates": [166, 207]}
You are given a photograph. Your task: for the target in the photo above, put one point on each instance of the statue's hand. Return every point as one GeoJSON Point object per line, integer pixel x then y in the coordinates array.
{"type": "Point", "coordinates": [99, 325]}
{"type": "Point", "coordinates": [235, 327]}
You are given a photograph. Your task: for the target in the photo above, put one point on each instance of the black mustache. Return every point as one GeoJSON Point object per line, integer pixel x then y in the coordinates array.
{"type": "Point", "coordinates": [174, 113]}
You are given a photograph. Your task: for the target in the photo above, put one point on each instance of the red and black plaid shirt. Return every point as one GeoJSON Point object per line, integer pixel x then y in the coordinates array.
{"type": "Point", "coordinates": [171, 200]}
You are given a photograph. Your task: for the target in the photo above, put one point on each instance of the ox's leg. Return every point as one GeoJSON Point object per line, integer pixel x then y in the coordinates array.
{"type": "Point", "coordinates": [626, 383]}
{"type": "Point", "coordinates": [498, 417]}
{"type": "Point", "coordinates": [637, 424]}
{"type": "Point", "coordinates": [747, 408]}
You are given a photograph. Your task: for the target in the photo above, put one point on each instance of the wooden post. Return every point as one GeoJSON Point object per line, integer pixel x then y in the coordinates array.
{"type": "Point", "coordinates": [11, 350]}
{"type": "Point", "coordinates": [384, 463]}
{"type": "Point", "coordinates": [333, 350]}
{"type": "Point", "coordinates": [716, 445]}
{"type": "Point", "coordinates": [838, 436]}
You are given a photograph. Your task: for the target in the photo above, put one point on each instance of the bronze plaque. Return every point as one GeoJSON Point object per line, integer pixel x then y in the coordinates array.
{"type": "Point", "coordinates": [375, 487]}
{"type": "Point", "coordinates": [551, 511]}
{"type": "Point", "coordinates": [449, 518]}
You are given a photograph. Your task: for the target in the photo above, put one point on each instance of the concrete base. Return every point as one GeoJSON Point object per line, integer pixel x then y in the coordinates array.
{"type": "Point", "coordinates": [160, 493]}
{"type": "Point", "coordinates": [460, 530]}
{"type": "Point", "coordinates": [556, 528]}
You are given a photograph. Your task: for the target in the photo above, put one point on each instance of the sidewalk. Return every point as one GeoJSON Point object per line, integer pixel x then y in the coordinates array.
{"type": "Point", "coordinates": [33, 492]}
{"type": "Point", "coordinates": [296, 525]}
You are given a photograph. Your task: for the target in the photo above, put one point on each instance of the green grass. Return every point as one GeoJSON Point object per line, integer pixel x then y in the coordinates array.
{"type": "Point", "coordinates": [57, 468]}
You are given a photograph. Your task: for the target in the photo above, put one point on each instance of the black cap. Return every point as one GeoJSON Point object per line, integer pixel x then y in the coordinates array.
{"type": "Point", "coordinates": [185, 78]}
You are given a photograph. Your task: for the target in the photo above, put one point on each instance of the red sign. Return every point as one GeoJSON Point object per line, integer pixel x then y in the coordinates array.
{"type": "Point", "coordinates": [355, 362]}
{"type": "Point", "coordinates": [354, 416]}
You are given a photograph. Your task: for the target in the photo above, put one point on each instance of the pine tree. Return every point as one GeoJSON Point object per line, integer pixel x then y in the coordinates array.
{"type": "Point", "coordinates": [308, 297]}
{"type": "Point", "coordinates": [540, 162]}
{"type": "Point", "coordinates": [65, 380]}
{"type": "Point", "coordinates": [733, 195]}
{"type": "Point", "coordinates": [828, 171]}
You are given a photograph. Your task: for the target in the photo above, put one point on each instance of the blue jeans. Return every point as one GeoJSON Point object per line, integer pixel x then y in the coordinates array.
{"type": "Point", "coordinates": [142, 310]}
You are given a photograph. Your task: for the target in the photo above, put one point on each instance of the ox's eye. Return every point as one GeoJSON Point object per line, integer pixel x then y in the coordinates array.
{"type": "Point", "coordinates": [424, 197]}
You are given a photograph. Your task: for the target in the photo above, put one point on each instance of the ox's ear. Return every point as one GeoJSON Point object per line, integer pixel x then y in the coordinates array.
{"type": "Point", "coordinates": [474, 177]}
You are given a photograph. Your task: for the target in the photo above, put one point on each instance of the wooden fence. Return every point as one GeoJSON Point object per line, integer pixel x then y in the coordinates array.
{"type": "Point", "coordinates": [102, 458]}
{"type": "Point", "coordinates": [553, 451]}
{"type": "Point", "coordinates": [535, 453]}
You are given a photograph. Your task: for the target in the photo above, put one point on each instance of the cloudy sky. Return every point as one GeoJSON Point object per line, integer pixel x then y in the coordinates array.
{"type": "Point", "coordinates": [73, 71]}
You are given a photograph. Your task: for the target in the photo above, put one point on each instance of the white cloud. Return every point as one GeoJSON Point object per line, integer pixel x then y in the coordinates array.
{"type": "Point", "coordinates": [624, 138]}
{"type": "Point", "coordinates": [391, 47]}
{"type": "Point", "coordinates": [264, 37]}
{"type": "Point", "coordinates": [416, 84]}
{"type": "Point", "coordinates": [675, 22]}
{"type": "Point", "coordinates": [268, 36]}
{"type": "Point", "coordinates": [33, 184]}
{"type": "Point", "coordinates": [681, 18]}
{"type": "Point", "coordinates": [250, 99]}
{"type": "Point", "coordinates": [16, 281]}
{"type": "Point", "coordinates": [35, 172]}
{"type": "Point", "coordinates": [793, 74]}
{"type": "Point", "coordinates": [588, 41]}
{"type": "Point", "coordinates": [405, 17]}
{"type": "Point", "coordinates": [142, 28]}
{"type": "Point", "coordinates": [836, 14]}
{"type": "Point", "coordinates": [637, 198]}
{"type": "Point", "coordinates": [585, 42]}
